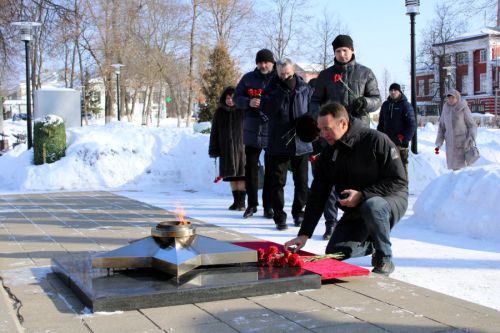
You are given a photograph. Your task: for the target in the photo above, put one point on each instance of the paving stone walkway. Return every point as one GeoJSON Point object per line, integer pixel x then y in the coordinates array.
{"type": "Point", "coordinates": [35, 227]}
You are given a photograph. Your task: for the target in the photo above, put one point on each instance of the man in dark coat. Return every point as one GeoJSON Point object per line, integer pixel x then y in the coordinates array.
{"type": "Point", "coordinates": [352, 85]}
{"type": "Point", "coordinates": [346, 82]}
{"type": "Point", "coordinates": [397, 120]}
{"type": "Point", "coordinates": [366, 170]}
{"type": "Point", "coordinates": [247, 97]}
{"type": "Point", "coordinates": [286, 99]}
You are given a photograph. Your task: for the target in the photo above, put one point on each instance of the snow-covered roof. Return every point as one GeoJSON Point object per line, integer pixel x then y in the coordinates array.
{"type": "Point", "coordinates": [14, 102]}
{"type": "Point", "coordinates": [483, 32]}
{"type": "Point", "coordinates": [309, 67]}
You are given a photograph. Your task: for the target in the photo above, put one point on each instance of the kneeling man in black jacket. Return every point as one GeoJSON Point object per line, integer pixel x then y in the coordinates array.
{"type": "Point", "coordinates": [366, 170]}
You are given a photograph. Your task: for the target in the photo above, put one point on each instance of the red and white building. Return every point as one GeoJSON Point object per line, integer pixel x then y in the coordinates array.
{"type": "Point", "coordinates": [472, 65]}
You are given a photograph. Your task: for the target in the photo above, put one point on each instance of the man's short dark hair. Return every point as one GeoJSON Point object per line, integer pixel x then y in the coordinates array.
{"type": "Point", "coordinates": [336, 110]}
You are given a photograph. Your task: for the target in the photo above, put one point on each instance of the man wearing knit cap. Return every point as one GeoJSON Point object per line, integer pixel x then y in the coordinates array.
{"type": "Point", "coordinates": [352, 85]}
{"type": "Point", "coordinates": [346, 82]}
{"type": "Point", "coordinates": [247, 97]}
{"type": "Point", "coordinates": [397, 120]}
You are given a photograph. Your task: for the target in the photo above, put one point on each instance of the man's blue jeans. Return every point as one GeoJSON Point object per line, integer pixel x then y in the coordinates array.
{"type": "Point", "coordinates": [363, 230]}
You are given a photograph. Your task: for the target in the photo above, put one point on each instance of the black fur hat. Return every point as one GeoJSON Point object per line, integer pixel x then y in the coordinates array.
{"type": "Point", "coordinates": [307, 128]}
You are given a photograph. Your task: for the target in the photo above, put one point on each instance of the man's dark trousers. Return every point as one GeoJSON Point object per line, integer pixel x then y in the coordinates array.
{"type": "Point", "coordinates": [362, 230]}
{"type": "Point", "coordinates": [279, 167]}
{"type": "Point", "coordinates": [252, 178]}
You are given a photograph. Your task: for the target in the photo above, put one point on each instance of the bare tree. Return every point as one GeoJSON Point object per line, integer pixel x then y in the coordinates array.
{"type": "Point", "coordinates": [194, 17]}
{"type": "Point", "coordinates": [325, 32]}
{"type": "Point", "coordinates": [446, 25]}
{"type": "Point", "coordinates": [228, 19]}
{"type": "Point", "coordinates": [282, 26]}
{"type": "Point", "coordinates": [488, 9]}
{"type": "Point", "coordinates": [386, 82]}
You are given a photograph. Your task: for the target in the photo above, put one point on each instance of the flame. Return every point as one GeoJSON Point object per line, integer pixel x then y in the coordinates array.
{"type": "Point", "coordinates": [180, 213]}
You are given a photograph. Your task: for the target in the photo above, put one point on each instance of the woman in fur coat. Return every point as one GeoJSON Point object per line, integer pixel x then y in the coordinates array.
{"type": "Point", "coordinates": [457, 128]}
{"type": "Point", "coordinates": [226, 143]}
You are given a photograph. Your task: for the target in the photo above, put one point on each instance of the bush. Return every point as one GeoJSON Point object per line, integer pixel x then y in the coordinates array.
{"type": "Point", "coordinates": [49, 139]}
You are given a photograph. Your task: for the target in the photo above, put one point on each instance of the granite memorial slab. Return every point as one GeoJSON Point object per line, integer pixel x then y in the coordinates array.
{"type": "Point", "coordinates": [102, 289]}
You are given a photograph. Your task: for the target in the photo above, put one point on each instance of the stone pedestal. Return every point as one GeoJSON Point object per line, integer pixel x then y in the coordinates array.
{"type": "Point", "coordinates": [103, 290]}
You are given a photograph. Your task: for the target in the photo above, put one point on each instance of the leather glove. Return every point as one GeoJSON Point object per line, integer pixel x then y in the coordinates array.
{"type": "Point", "coordinates": [358, 106]}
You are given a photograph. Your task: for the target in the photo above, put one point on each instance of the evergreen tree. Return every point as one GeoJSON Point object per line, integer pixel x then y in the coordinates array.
{"type": "Point", "coordinates": [220, 72]}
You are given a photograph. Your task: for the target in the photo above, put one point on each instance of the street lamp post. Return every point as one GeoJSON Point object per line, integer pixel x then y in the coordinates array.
{"type": "Point", "coordinates": [117, 72]}
{"type": "Point", "coordinates": [412, 9]}
{"type": "Point", "coordinates": [25, 28]}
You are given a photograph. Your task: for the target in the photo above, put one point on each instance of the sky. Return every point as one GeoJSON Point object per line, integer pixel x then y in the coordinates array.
{"type": "Point", "coordinates": [448, 241]}
{"type": "Point", "coordinates": [381, 32]}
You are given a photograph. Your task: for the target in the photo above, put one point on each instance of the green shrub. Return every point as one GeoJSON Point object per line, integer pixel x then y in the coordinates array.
{"type": "Point", "coordinates": [49, 139]}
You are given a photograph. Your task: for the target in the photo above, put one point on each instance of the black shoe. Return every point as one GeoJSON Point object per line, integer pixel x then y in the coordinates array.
{"type": "Point", "coordinates": [281, 226]}
{"type": "Point", "coordinates": [329, 226]}
{"type": "Point", "coordinates": [268, 213]}
{"type": "Point", "coordinates": [383, 266]}
{"type": "Point", "coordinates": [328, 233]}
{"type": "Point", "coordinates": [298, 219]}
{"type": "Point", "coordinates": [249, 212]}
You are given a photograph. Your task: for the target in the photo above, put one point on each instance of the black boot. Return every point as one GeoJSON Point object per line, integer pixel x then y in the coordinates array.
{"type": "Point", "coordinates": [234, 206]}
{"type": "Point", "coordinates": [329, 226]}
{"type": "Point", "coordinates": [241, 200]}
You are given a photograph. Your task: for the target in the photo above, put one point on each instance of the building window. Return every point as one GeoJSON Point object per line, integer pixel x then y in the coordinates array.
{"type": "Point", "coordinates": [482, 82]}
{"type": "Point", "coordinates": [465, 79]}
{"type": "Point", "coordinates": [476, 107]}
{"type": "Point", "coordinates": [482, 55]}
{"type": "Point", "coordinates": [421, 86]}
{"type": "Point", "coordinates": [447, 59]}
{"type": "Point", "coordinates": [432, 87]}
{"type": "Point", "coordinates": [462, 58]}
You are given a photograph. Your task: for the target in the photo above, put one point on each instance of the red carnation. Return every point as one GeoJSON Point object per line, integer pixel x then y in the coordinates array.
{"type": "Point", "coordinates": [217, 179]}
{"type": "Point", "coordinates": [282, 261]}
{"type": "Point", "coordinates": [260, 254]}
{"type": "Point", "coordinates": [313, 158]}
{"type": "Point", "coordinates": [337, 77]}
{"type": "Point", "coordinates": [294, 260]}
{"type": "Point", "coordinates": [272, 250]}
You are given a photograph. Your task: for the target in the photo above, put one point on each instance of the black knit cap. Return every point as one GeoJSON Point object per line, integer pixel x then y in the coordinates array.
{"type": "Point", "coordinates": [395, 86]}
{"type": "Point", "coordinates": [264, 55]}
{"type": "Point", "coordinates": [343, 41]}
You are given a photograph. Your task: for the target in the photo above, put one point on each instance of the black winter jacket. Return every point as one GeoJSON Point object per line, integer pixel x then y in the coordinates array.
{"type": "Point", "coordinates": [364, 160]}
{"type": "Point", "coordinates": [255, 124]}
{"type": "Point", "coordinates": [283, 107]}
{"type": "Point", "coordinates": [360, 80]}
{"type": "Point", "coordinates": [226, 141]}
{"type": "Point", "coordinates": [397, 118]}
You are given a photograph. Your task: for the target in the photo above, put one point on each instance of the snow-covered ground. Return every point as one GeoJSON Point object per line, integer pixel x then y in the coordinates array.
{"type": "Point", "coordinates": [449, 240]}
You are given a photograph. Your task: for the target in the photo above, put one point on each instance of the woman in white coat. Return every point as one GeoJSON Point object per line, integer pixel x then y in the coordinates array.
{"type": "Point", "coordinates": [457, 128]}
